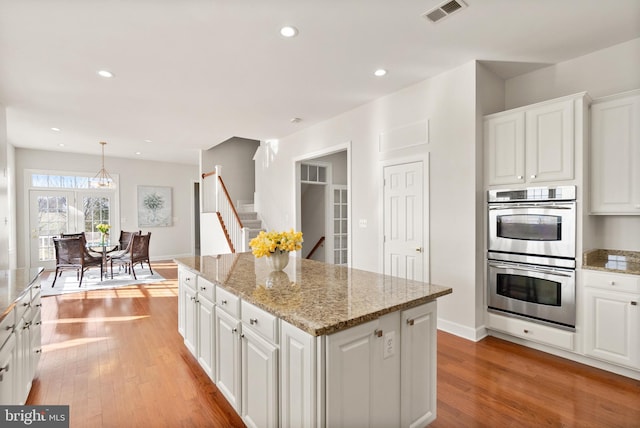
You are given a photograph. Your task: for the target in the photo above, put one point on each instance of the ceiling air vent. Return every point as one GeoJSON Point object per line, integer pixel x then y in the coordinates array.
{"type": "Point", "coordinates": [443, 10]}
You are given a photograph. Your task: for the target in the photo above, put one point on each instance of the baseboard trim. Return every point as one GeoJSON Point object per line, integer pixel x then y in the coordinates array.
{"type": "Point", "coordinates": [463, 331]}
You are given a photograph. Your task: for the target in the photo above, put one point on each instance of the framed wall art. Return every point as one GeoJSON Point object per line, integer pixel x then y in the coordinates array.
{"type": "Point", "coordinates": [154, 206]}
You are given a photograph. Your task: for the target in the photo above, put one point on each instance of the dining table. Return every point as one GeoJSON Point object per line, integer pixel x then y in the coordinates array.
{"type": "Point", "coordinates": [103, 248]}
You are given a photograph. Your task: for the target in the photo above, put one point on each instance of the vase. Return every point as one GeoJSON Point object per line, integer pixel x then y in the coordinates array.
{"type": "Point", "coordinates": [278, 260]}
{"type": "Point", "coordinates": [103, 238]}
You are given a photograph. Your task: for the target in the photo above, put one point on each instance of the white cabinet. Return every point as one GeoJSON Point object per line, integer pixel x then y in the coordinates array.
{"type": "Point", "coordinates": [418, 375]}
{"type": "Point", "coordinates": [206, 334]}
{"type": "Point", "coordinates": [615, 154]}
{"type": "Point", "coordinates": [190, 320]}
{"type": "Point", "coordinates": [7, 356]}
{"type": "Point", "coordinates": [186, 278]}
{"type": "Point", "coordinates": [612, 317]}
{"type": "Point", "coordinates": [533, 144]}
{"type": "Point", "coordinates": [298, 362]}
{"type": "Point", "coordinates": [227, 355]}
{"type": "Point", "coordinates": [535, 332]}
{"type": "Point", "coordinates": [364, 367]}
{"type": "Point", "coordinates": [259, 380]}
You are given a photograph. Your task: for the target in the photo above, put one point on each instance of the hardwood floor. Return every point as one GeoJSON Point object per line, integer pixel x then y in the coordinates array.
{"type": "Point", "coordinates": [117, 359]}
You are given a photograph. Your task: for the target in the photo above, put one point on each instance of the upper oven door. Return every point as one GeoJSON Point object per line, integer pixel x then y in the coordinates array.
{"type": "Point", "coordinates": [541, 228]}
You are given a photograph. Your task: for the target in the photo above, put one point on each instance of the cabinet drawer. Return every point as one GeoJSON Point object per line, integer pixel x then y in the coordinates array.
{"type": "Point", "coordinates": [532, 331]}
{"type": "Point", "coordinates": [188, 278]}
{"type": "Point", "coordinates": [36, 305]}
{"type": "Point", "coordinates": [206, 288]}
{"type": "Point", "coordinates": [228, 302]}
{"type": "Point", "coordinates": [22, 304]}
{"type": "Point", "coordinates": [611, 281]}
{"type": "Point", "coordinates": [6, 326]}
{"type": "Point", "coordinates": [261, 321]}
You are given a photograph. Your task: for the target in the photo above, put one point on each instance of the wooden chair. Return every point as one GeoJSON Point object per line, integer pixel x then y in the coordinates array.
{"type": "Point", "coordinates": [82, 236]}
{"type": "Point", "coordinates": [138, 252]}
{"type": "Point", "coordinates": [72, 254]}
{"type": "Point", "coordinates": [124, 246]}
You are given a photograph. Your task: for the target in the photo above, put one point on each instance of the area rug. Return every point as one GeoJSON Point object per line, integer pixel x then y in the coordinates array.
{"type": "Point", "coordinates": [68, 283]}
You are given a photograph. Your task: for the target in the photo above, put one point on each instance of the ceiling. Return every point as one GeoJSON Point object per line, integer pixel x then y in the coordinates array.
{"type": "Point", "coordinates": [190, 74]}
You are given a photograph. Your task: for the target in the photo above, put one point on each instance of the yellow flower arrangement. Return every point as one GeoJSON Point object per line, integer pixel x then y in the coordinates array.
{"type": "Point", "coordinates": [266, 243]}
{"type": "Point", "coordinates": [103, 228]}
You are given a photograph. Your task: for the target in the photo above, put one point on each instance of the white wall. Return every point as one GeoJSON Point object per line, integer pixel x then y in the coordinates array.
{"type": "Point", "coordinates": [238, 171]}
{"type": "Point", "coordinates": [4, 192]}
{"type": "Point", "coordinates": [601, 73]}
{"type": "Point", "coordinates": [448, 101]}
{"type": "Point", "coordinates": [166, 242]}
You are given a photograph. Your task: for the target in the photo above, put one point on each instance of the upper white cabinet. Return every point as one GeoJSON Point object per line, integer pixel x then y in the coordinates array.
{"type": "Point", "coordinates": [533, 144]}
{"type": "Point", "coordinates": [615, 154]}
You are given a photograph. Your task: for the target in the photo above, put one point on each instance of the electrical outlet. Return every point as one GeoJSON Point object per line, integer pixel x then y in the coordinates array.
{"type": "Point", "coordinates": [389, 344]}
{"type": "Point", "coordinates": [363, 223]}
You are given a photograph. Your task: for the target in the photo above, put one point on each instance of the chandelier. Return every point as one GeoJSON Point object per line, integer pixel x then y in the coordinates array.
{"type": "Point", "coordinates": [102, 178]}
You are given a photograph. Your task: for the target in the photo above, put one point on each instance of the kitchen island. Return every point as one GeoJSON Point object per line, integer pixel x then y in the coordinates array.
{"type": "Point", "coordinates": [314, 345]}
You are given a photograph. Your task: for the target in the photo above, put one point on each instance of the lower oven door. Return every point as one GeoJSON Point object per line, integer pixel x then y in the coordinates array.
{"type": "Point", "coordinates": [545, 294]}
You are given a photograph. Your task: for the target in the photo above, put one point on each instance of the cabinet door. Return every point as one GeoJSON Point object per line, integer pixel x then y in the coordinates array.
{"type": "Point", "coordinates": [7, 370]}
{"type": "Point", "coordinates": [259, 381]}
{"type": "Point", "coordinates": [297, 381]}
{"type": "Point", "coordinates": [227, 357]}
{"type": "Point", "coordinates": [615, 156]}
{"type": "Point", "coordinates": [418, 366]}
{"type": "Point", "coordinates": [550, 142]}
{"type": "Point", "coordinates": [190, 320]}
{"type": "Point", "coordinates": [350, 367]}
{"type": "Point", "coordinates": [612, 327]}
{"type": "Point", "coordinates": [504, 136]}
{"type": "Point", "coordinates": [206, 331]}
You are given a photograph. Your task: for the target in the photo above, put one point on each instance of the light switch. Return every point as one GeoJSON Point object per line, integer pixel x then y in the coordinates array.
{"type": "Point", "coordinates": [363, 223]}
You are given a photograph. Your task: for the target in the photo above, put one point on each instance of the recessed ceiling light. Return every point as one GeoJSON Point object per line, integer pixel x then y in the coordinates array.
{"type": "Point", "coordinates": [296, 120]}
{"type": "Point", "coordinates": [105, 73]}
{"type": "Point", "coordinates": [289, 31]}
{"type": "Point", "coordinates": [61, 145]}
{"type": "Point", "coordinates": [55, 129]}
{"type": "Point", "coordinates": [138, 153]}
{"type": "Point", "coordinates": [148, 141]}
{"type": "Point", "coordinates": [380, 72]}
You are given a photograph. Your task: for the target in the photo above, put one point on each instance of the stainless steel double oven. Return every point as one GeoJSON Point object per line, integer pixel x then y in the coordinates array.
{"type": "Point", "coordinates": [532, 254]}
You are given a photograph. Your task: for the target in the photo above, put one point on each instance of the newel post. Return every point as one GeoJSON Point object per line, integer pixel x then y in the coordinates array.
{"type": "Point", "coordinates": [218, 189]}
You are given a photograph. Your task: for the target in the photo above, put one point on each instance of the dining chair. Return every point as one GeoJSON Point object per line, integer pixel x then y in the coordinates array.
{"type": "Point", "coordinates": [82, 236]}
{"type": "Point", "coordinates": [72, 254]}
{"type": "Point", "coordinates": [125, 243]}
{"type": "Point", "coordinates": [138, 252]}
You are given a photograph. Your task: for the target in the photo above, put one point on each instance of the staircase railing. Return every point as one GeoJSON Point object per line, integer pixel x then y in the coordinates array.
{"type": "Point", "coordinates": [315, 247]}
{"type": "Point", "coordinates": [232, 226]}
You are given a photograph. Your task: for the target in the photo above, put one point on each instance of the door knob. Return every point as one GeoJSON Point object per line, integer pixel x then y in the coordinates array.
{"type": "Point", "coordinates": [419, 250]}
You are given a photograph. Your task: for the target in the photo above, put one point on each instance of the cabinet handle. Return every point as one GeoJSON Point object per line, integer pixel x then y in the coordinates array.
{"type": "Point", "coordinates": [377, 333]}
{"type": "Point", "coordinates": [253, 321]}
{"type": "Point", "coordinates": [409, 322]}
{"type": "Point", "coordinates": [203, 288]}
{"type": "Point", "coordinates": [39, 305]}
{"type": "Point", "coordinates": [526, 331]}
{"type": "Point", "coordinates": [3, 370]}
{"type": "Point", "coordinates": [234, 330]}
{"type": "Point", "coordinates": [533, 176]}
{"type": "Point", "coordinates": [242, 336]}
{"type": "Point", "coordinates": [197, 301]}
{"type": "Point", "coordinates": [38, 351]}
{"type": "Point", "coordinates": [612, 283]}
{"type": "Point", "coordinates": [634, 303]}
{"type": "Point", "coordinates": [39, 286]}
{"type": "Point", "coordinates": [187, 279]}
{"type": "Point", "coordinates": [223, 302]}
{"type": "Point", "coordinates": [519, 177]}
{"type": "Point", "coordinates": [10, 327]}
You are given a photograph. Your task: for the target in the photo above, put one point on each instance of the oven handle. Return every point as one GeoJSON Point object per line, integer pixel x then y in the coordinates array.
{"type": "Point", "coordinates": [530, 268]}
{"type": "Point", "coordinates": [545, 206]}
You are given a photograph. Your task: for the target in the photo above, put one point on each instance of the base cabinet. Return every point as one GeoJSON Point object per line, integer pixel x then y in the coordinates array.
{"type": "Point", "coordinates": [227, 373]}
{"type": "Point", "coordinates": [417, 379]}
{"type": "Point", "coordinates": [259, 374]}
{"type": "Point", "coordinates": [612, 318]}
{"type": "Point", "coordinates": [206, 329]}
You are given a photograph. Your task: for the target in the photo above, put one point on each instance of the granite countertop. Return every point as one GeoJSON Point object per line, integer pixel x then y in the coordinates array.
{"type": "Point", "coordinates": [612, 261]}
{"type": "Point", "coordinates": [316, 297]}
{"type": "Point", "coordinates": [13, 284]}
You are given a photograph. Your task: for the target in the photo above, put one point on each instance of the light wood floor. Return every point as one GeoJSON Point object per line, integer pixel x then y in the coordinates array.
{"type": "Point", "coordinates": [117, 359]}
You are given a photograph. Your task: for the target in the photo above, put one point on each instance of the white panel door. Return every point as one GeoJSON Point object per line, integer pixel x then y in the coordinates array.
{"type": "Point", "coordinates": [403, 221]}
{"type": "Point", "coordinates": [259, 381]}
{"type": "Point", "coordinates": [227, 357]}
{"type": "Point", "coordinates": [206, 331]}
{"type": "Point", "coordinates": [51, 212]}
{"type": "Point", "coordinates": [504, 137]}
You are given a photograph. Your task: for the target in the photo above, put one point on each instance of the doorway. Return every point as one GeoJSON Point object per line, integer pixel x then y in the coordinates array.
{"type": "Point", "coordinates": [322, 205]}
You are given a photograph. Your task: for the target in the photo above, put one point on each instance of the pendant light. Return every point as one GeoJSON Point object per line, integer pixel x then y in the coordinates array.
{"type": "Point", "coordinates": [102, 178]}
